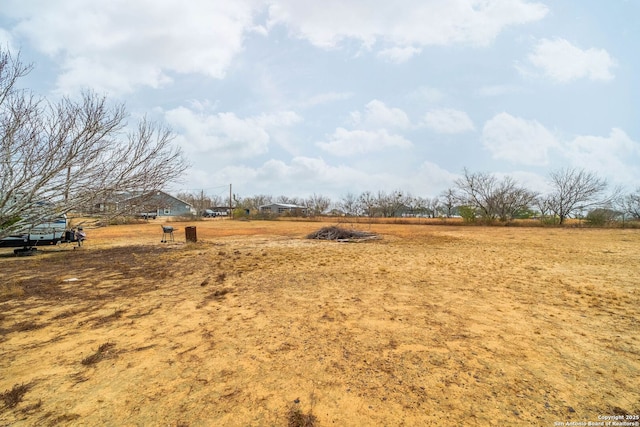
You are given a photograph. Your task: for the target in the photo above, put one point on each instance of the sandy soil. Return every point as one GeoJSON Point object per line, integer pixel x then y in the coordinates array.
{"type": "Point", "coordinates": [255, 325]}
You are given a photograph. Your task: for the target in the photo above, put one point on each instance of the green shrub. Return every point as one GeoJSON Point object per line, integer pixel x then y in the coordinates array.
{"type": "Point", "coordinates": [468, 213]}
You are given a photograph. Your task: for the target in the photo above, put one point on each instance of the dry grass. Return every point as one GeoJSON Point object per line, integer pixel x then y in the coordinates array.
{"type": "Point", "coordinates": [297, 418]}
{"type": "Point", "coordinates": [12, 397]}
{"type": "Point", "coordinates": [463, 325]}
{"type": "Point", "coordinates": [105, 351]}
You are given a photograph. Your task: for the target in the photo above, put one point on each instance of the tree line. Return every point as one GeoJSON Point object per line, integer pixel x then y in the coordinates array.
{"type": "Point", "coordinates": [475, 196]}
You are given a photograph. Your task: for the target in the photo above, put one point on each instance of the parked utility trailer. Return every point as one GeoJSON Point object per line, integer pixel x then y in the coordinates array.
{"type": "Point", "coordinates": [52, 232]}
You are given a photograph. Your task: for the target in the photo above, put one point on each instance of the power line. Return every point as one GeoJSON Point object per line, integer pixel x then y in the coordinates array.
{"type": "Point", "coordinates": [220, 188]}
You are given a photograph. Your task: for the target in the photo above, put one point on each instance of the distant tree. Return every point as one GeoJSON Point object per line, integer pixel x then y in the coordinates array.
{"type": "Point", "coordinates": [476, 190]}
{"type": "Point", "coordinates": [575, 190]}
{"type": "Point", "coordinates": [317, 204]}
{"type": "Point", "coordinates": [284, 199]}
{"type": "Point", "coordinates": [383, 204]}
{"type": "Point", "coordinates": [63, 156]}
{"type": "Point", "coordinates": [367, 202]}
{"type": "Point", "coordinates": [631, 204]}
{"type": "Point", "coordinates": [253, 203]}
{"type": "Point", "coordinates": [433, 207]}
{"type": "Point", "coordinates": [419, 205]}
{"type": "Point", "coordinates": [199, 200]}
{"type": "Point", "coordinates": [511, 200]}
{"type": "Point", "coordinates": [215, 200]}
{"type": "Point", "coordinates": [600, 217]}
{"type": "Point", "coordinates": [391, 204]}
{"type": "Point", "coordinates": [492, 198]}
{"type": "Point", "coordinates": [349, 204]}
{"type": "Point", "coordinates": [543, 205]}
{"type": "Point", "coordinates": [449, 200]}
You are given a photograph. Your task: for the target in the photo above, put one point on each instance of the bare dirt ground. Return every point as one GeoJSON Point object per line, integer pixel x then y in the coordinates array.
{"type": "Point", "coordinates": [256, 325]}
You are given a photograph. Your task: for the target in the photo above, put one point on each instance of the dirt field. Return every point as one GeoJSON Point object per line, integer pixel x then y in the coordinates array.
{"type": "Point", "coordinates": [256, 326]}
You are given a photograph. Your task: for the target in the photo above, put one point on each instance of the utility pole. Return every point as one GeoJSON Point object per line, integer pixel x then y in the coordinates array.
{"type": "Point", "coordinates": [230, 204]}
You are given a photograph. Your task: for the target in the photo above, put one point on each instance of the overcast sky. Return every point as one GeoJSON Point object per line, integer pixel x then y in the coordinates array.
{"type": "Point", "coordinates": [294, 97]}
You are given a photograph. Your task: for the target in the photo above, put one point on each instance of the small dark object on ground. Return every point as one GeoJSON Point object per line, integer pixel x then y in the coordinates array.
{"type": "Point", "coordinates": [341, 234]}
{"type": "Point", "coordinates": [14, 396]}
{"type": "Point", "coordinates": [102, 353]}
{"type": "Point", "coordinates": [295, 418]}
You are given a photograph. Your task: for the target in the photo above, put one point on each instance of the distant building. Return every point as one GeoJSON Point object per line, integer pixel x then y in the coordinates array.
{"type": "Point", "coordinates": [153, 203]}
{"type": "Point", "coordinates": [283, 208]}
{"type": "Point", "coordinates": [163, 204]}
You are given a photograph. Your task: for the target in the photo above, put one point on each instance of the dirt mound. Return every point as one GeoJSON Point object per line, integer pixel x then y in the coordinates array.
{"type": "Point", "coordinates": [341, 234]}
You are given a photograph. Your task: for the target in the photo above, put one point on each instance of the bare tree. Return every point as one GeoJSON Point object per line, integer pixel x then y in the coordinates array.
{"type": "Point", "coordinates": [433, 207]}
{"type": "Point", "coordinates": [290, 200]}
{"type": "Point", "coordinates": [491, 198]}
{"type": "Point", "coordinates": [200, 200]}
{"type": "Point", "coordinates": [419, 205]}
{"type": "Point", "coordinates": [367, 202]}
{"type": "Point", "coordinates": [574, 190]}
{"type": "Point", "coordinates": [349, 204]}
{"type": "Point", "coordinates": [449, 200]}
{"type": "Point", "coordinates": [631, 204]}
{"type": "Point", "coordinates": [476, 190]}
{"type": "Point", "coordinates": [253, 203]}
{"type": "Point", "coordinates": [283, 199]}
{"type": "Point", "coordinates": [392, 203]}
{"type": "Point", "coordinates": [59, 157]}
{"type": "Point", "coordinates": [544, 206]}
{"type": "Point", "coordinates": [317, 204]}
{"type": "Point", "coordinates": [511, 200]}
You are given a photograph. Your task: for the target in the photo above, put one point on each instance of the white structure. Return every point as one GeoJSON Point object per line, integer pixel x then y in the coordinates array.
{"type": "Point", "coordinates": [282, 208]}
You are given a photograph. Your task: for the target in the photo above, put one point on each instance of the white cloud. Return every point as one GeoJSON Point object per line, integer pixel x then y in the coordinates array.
{"type": "Point", "coordinates": [344, 142]}
{"type": "Point", "coordinates": [530, 180]}
{"type": "Point", "coordinates": [301, 177]}
{"type": "Point", "coordinates": [371, 133]}
{"type": "Point", "coordinates": [448, 120]}
{"type": "Point", "coordinates": [225, 133]}
{"type": "Point", "coordinates": [435, 178]}
{"type": "Point", "coordinates": [518, 140]}
{"type": "Point", "coordinates": [398, 54]}
{"type": "Point", "coordinates": [616, 157]}
{"type": "Point", "coordinates": [118, 45]}
{"type": "Point", "coordinates": [377, 115]}
{"type": "Point", "coordinates": [402, 23]}
{"type": "Point", "coordinates": [6, 41]}
{"type": "Point", "coordinates": [564, 62]}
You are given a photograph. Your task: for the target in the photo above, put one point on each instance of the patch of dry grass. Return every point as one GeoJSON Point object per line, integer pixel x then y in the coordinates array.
{"type": "Point", "coordinates": [12, 397]}
{"type": "Point", "coordinates": [297, 418]}
{"type": "Point", "coordinates": [104, 351]}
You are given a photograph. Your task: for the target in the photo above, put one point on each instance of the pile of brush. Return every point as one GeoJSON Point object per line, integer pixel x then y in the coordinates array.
{"type": "Point", "coordinates": [341, 234]}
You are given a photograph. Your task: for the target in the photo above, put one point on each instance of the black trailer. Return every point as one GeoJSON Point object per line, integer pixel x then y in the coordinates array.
{"type": "Point", "coordinates": [52, 232]}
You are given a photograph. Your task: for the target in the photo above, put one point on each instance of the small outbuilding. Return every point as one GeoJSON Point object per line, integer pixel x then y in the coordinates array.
{"type": "Point", "coordinates": [283, 208]}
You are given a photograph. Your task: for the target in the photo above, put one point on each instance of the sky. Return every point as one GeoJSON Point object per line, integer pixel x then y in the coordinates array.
{"type": "Point", "coordinates": [295, 97]}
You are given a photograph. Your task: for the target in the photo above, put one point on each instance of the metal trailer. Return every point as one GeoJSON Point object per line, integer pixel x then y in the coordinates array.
{"type": "Point", "coordinates": [52, 232]}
